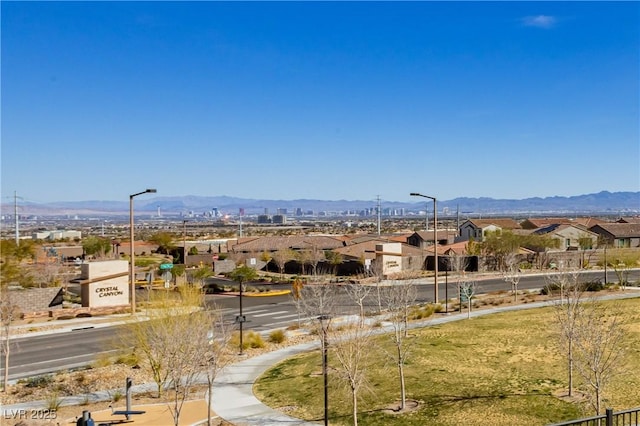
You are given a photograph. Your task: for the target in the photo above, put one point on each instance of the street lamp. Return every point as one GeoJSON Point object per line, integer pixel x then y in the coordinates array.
{"type": "Point", "coordinates": [325, 376]}
{"type": "Point", "coordinates": [132, 254]}
{"type": "Point", "coordinates": [435, 242]}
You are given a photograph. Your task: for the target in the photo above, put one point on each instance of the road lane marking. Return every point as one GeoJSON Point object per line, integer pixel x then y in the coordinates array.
{"type": "Point", "coordinates": [286, 316]}
{"type": "Point", "coordinates": [270, 313]}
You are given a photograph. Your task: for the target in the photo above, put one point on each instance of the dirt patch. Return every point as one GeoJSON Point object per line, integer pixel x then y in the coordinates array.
{"type": "Point", "coordinates": [410, 405]}
{"type": "Point", "coordinates": [575, 397]}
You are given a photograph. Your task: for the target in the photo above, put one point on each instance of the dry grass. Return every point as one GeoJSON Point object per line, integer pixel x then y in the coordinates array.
{"type": "Point", "coordinates": [502, 369]}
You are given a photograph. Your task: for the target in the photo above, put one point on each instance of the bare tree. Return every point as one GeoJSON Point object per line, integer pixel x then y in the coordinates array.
{"type": "Point", "coordinates": [399, 299]}
{"type": "Point", "coordinates": [511, 272]}
{"type": "Point", "coordinates": [458, 264]}
{"type": "Point", "coordinates": [567, 312]}
{"type": "Point", "coordinates": [318, 300]}
{"type": "Point", "coordinates": [468, 290]}
{"type": "Point", "coordinates": [599, 349]}
{"type": "Point", "coordinates": [184, 356]}
{"type": "Point", "coordinates": [622, 260]}
{"type": "Point", "coordinates": [217, 354]}
{"type": "Point", "coordinates": [358, 293]}
{"type": "Point", "coordinates": [9, 312]}
{"type": "Point", "coordinates": [173, 343]}
{"type": "Point", "coordinates": [312, 256]}
{"type": "Point", "coordinates": [352, 351]}
{"type": "Point", "coordinates": [296, 296]}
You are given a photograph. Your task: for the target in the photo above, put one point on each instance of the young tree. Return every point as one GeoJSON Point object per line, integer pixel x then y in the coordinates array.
{"type": "Point", "coordinates": [172, 344]}
{"type": "Point", "coordinates": [9, 312]}
{"type": "Point", "coordinates": [352, 351]}
{"type": "Point", "coordinates": [296, 295]}
{"type": "Point", "coordinates": [358, 293]}
{"type": "Point", "coordinates": [622, 260]}
{"type": "Point", "coordinates": [511, 272]}
{"type": "Point", "coordinates": [468, 290]}
{"type": "Point", "coordinates": [567, 312]}
{"type": "Point", "coordinates": [399, 299]}
{"type": "Point", "coordinates": [599, 349]}
{"type": "Point", "coordinates": [217, 354]}
{"type": "Point", "coordinates": [312, 256]}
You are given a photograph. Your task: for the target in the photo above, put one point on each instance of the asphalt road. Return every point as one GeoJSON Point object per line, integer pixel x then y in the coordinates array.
{"type": "Point", "coordinates": [36, 355]}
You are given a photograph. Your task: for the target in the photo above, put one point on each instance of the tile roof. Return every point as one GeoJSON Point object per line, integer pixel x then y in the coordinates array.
{"type": "Point", "coordinates": [619, 230]}
{"type": "Point", "coordinates": [294, 242]}
{"type": "Point", "coordinates": [502, 223]}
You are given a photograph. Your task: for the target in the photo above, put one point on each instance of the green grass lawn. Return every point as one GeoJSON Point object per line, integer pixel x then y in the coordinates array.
{"type": "Point", "coordinates": [501, 369]}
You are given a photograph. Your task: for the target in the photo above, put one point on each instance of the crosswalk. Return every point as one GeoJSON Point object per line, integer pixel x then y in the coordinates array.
{"type": "Point", "coordinates": [261, 319]}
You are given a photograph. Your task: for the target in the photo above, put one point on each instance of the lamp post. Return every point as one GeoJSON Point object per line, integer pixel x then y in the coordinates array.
{"type": "Point", "coordinates": [435, 242]}
{"type": "Point", "coordinates": [325, 376]}
{"type": "Point", "coordinates": [132, 254]}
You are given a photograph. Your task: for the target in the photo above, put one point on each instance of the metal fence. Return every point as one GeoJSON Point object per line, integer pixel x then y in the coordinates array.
{"type": "Point", "coordinates": [609, 418]}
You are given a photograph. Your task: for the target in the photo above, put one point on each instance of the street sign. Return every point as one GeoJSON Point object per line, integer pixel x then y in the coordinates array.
{"type": "Point", "coordinates": [166, 266]}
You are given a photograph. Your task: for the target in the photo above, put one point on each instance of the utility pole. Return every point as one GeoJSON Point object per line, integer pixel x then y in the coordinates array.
{"type": "Point", "coordinates": [378, 215]}
{"type": "Point", "coordinates": [15, 214]}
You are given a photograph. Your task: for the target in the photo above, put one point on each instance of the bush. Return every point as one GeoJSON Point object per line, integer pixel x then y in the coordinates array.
{"type": "Point", "coordinates": [54, 401]}
{"type": "Point", "coordinates": [39, 381]}
{"type": "Point", "coordinates": [593, 285]}
{"type": "Point", "coordinates": [420, 312]}
{"type": "Point", "coordinates": [117, 396]}
{"type": "Point", "coordinates": [130, 359]}
{"type": "Point", "coordinates": [255, 340]}
{"type": "Point", "coordinates": [250, 340]}
{"type": "Point", "coordinates": [277, 336]}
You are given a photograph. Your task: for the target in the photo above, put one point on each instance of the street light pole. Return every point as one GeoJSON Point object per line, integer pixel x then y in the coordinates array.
{"type": "Point", "coordinates": [435, 242]}
{"type": "Point", "coordinates": [325, 375]}
{"type": "Point", "coordinates": [132, 252]}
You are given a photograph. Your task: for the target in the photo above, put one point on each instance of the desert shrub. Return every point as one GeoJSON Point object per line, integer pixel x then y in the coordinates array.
{"type": "Point", "coordinates": [117, 396]}
{"type": "Point", "coordinates": [130, 359]}
{"type": "Point", "coordinates": [53, 401]}
{"type": "Point", "coordinates": [255, 340]}
{"type": "Point", "coordinates": [420, 312]}
{"type": "Point", "coordinates": [277, 336]}
{"type": "Point", "coordinates": [39, 381]}
{"type": "Point", "coordinates": [250, 340]}
{"type": "Point", "coordinates": [593, 285]}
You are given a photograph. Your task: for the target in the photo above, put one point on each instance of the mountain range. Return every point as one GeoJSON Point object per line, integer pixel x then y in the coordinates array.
{"type": "Point", "coordinates": [604, 202]}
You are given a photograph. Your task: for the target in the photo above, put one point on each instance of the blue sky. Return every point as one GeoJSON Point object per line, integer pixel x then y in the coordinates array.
{"type": "Point", "coordinates": [324, 100]}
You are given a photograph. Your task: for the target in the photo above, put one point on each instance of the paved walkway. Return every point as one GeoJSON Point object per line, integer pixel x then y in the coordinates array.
{"type": "Point", "coordinates": [233, 398]}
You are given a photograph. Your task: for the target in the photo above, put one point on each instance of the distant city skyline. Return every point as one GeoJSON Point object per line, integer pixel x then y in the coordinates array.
{"type": "Point", "coordinates": [319, 100]}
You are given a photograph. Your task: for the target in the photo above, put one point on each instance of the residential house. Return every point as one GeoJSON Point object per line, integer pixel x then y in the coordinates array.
{"type": "Point", "coordinates": [477, 229]}
{"type": "Point", "coordinates": [424, 239]}
{"type": "Point", "coordinates": [619, 235]}
{"type": "Point", "coordinates": [543, 222]}
{"type": "Point", "coordinates": [571, 237]}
